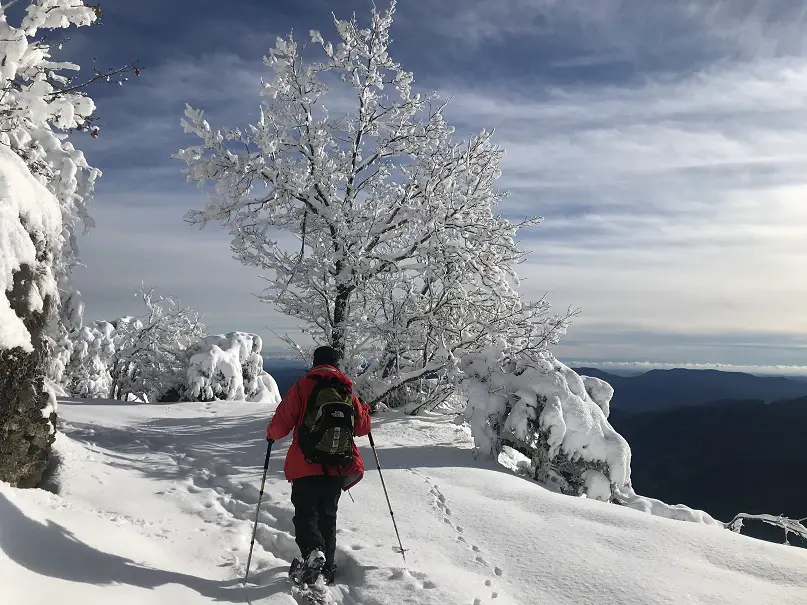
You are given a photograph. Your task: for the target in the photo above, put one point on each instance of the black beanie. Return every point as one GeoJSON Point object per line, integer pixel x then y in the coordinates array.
{"type": "Point", "coordinates": [325, 356]}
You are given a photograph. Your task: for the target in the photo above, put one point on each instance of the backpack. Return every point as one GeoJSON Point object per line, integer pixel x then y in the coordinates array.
{"type": "Point", "coordinates": [326, 432]}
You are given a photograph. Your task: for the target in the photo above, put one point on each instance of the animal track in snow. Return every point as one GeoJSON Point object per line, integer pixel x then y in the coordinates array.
{"type": "Point", "coordinates": [441, 503]}
{"type": "Point", "coordinates": [421, 580]}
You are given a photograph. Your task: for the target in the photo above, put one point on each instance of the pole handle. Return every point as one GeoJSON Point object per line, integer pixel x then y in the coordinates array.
{"type": "Point", "coordinates": [270, 443]}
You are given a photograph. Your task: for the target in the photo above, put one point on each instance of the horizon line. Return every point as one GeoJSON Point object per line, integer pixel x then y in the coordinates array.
{"type": "Point", "coordinates": [274, 355]}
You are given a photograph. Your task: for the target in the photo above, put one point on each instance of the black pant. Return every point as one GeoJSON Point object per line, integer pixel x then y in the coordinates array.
{"type": "Point", "coordinates": [316, 500]}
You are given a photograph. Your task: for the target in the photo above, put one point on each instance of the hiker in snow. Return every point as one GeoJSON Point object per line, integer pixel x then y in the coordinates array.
{"type": "Point", "coordinates": [322, 461]}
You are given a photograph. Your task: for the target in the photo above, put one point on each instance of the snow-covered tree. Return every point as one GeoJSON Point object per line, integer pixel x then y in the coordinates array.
{"type": "Point", "coordinates": [150, 350]}
{"type": "Point", "coordinates": [402, 260]}
{"type": "Point", "coordinates": [30, 224]}
{"type": "Point", "coordinates": [541, 419]}
{"type": "Point", "coordinates": [82, 360]}
{"type": "Point", "coordinates": [41, 102]}
{"type": "Point", "coordinates": [36, 227]}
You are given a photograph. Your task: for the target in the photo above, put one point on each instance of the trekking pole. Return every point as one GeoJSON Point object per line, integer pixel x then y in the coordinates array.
{"type": "Point", "coordinates": [258, 512]}
{"type": "Point", "coordinates": [391, 514]}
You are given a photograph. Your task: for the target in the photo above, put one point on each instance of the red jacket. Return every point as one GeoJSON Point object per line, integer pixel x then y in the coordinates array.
{"type": "Point", "coordinates": [289, 416]}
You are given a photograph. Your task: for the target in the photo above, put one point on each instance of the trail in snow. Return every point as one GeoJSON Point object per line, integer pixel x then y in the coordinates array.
{"type": "Point", "coordinates": [157, 507]}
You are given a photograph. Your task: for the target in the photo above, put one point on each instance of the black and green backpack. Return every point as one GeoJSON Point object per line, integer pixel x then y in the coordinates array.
{"type": "Point", "coordinates": [326, 432]}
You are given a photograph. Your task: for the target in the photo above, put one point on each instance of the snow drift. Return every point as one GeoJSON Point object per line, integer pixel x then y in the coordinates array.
{"type": "Point", "coordinates": [82, 360]}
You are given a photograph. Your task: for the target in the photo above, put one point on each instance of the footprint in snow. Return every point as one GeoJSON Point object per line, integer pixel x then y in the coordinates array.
{"type": "Point", "coordinates": [422, 578]}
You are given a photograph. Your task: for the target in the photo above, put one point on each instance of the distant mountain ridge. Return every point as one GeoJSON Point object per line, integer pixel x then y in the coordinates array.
{"type": "Point", "coordinates": [652, 391]}
{"type": "Point", "coordinates": [667, 389]}
{"type": "Point", "coordinates": [725, 457]}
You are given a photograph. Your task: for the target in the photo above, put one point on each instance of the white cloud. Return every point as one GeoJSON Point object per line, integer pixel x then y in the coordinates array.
{"type": "Point", "coordinates": [643, 366]}
{"type": "Point", "coordinates": [677, 206]}
{"type": "Point", "coordinates": [632, 30]}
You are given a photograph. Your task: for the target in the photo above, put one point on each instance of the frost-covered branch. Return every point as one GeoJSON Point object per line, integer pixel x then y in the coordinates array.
{"type": "Point", "coordinates": [42, 101]}
{"type": "Point", "coordinates": [107, 76]}
{"type": "Point", "coordinates": [149, 358]}
{"type": "Point", "coordinates": [790, 526]}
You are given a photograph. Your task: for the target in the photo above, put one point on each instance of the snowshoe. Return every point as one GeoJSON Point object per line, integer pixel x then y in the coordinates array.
{"type": "Point", "coordinates": [296, 570]}
{"type": "Point", "coordinates": [329, 572]}
{"type": "Point", "coordinates": [307, 572]}
{"type": "Point", "coordinates": [309, 580]}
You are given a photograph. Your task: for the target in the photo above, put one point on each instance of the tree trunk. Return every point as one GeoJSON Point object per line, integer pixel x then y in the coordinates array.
{"type": "Point", "coordinates": [25, 434]}
{"type": "Point", "coordinates": [340, 308]}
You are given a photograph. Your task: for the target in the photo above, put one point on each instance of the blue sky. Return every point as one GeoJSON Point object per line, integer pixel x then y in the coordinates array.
{"type": "Point", "coordinates": [664, 141]}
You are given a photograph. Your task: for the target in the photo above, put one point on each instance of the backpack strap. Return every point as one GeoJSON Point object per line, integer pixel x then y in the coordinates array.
{"type": "Point", "coordinates": [304, 408]}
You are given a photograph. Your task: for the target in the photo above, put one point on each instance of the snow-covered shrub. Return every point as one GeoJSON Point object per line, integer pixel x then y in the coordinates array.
{"type": "Point", "coordinates": [162, 355]}
{"type": "Point", "coordinates": [230, 367]}
{"type": "Point", "coordinates": [130, 358]}
{"type": "Point", "coordinates": [83, 359]}
{"type": "Point", "coordinates": [404, 261]}
{"type": "Point", "coordinates": [790, 526]}
{"type": "Point", "coordinates": [539, 417]}
{"type": "Point", "coordinates": [542, 409]}
{"type": "Point", "coordinates": [151, 350]}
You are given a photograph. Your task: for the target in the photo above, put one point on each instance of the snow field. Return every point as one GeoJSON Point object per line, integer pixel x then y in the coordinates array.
{"type": "Point", "coordinates": [157, 503]}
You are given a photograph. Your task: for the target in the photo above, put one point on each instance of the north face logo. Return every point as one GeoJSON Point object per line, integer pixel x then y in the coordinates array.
{"type": "Point", "coordinates": [337, 414]}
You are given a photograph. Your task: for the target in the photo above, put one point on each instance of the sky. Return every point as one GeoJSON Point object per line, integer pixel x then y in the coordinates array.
{"type": "Point", "coordinates": [663, 141]}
